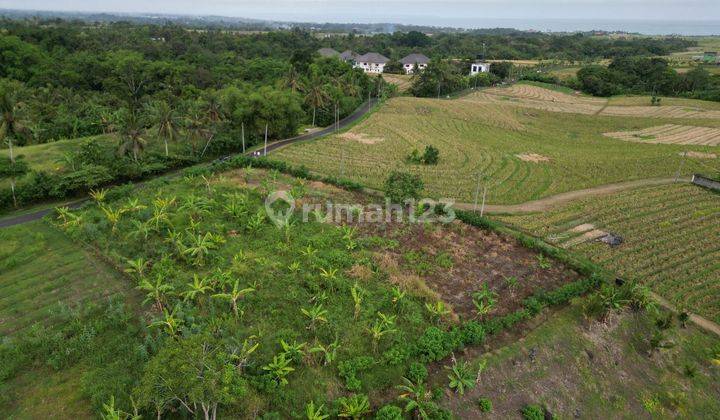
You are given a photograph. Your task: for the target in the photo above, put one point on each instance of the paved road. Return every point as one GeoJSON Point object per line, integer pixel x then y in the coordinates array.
{"type": "Point", "coordinates": [345, 122]}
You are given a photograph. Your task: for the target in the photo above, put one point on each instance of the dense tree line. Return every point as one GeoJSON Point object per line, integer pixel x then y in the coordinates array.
{"type": "Point", "coordinates": [206, 92]}
{"type": "Point", "coordinates": [513, 45]}
{"type": "Point", "coordinates": [638, 75]}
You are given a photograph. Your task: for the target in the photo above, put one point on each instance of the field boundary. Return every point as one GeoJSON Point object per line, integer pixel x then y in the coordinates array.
{"type": "Point", "coordinates": [547, 203]}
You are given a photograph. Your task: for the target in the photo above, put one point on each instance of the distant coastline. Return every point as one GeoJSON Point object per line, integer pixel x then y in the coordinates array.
{"type": "Point", "coordinates": [281, 19]}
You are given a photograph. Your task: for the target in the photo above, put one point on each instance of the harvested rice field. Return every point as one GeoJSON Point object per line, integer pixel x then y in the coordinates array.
{"type": "Point", "coordinates": [520, 152]}
{"type": "Point", "coordinates": [670, 239]}
{"type": "Point", "coordinates": [672, 134]}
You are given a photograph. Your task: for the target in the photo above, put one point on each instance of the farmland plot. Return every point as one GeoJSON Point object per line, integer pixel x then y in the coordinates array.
{"type": "Point", "coordinates": [672, 134]}
{"type": "Point", "coordinates": [520, 153]}
{"type": "Point", "coordinates": [671, 239]}
{"type": "Point", "coordinates": [308, 285]}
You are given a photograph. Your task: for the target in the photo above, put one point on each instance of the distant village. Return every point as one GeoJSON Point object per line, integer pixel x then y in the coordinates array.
{"type": "Point", "coordinates": [373, 62]}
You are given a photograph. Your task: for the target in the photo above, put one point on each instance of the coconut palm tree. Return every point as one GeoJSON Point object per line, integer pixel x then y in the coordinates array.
{"type": "Point", "coordinates": [293, 80]}
{"type": "Point", "coordinates": [11, 120]}
{"type": "Point", "coordinates": [316, 94]}
{"type": "Point", "coordinates": [131, 131]}
{"type": "Point", "coordinates": [167, 121]}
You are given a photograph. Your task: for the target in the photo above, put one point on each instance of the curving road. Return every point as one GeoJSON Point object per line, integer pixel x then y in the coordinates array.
{"type": "Point", "coordinates": [343, 123]}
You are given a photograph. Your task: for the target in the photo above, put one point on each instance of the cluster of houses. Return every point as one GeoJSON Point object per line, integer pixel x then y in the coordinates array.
{"type": "Point", "coordinates": [373, 62]}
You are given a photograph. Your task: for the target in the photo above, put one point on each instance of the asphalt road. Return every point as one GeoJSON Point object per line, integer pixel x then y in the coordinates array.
{"type": "Point", "coordinates": [345, 122]}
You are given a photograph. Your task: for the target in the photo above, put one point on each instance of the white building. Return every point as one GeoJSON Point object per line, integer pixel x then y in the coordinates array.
{"type": "Point", "coordinates": [411, 60]}
{"type": "Point", "coordinates": [479, 67]}
{"type": "Point", "coordinates": [371, 62]}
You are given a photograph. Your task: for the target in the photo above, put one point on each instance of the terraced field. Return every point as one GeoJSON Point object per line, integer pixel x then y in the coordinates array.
{"type": "Point", "coordinates": [40, 270]}
{"type": "Point", "coordinates": [672, 134]}
{"type": "Point", "coordinates": [521, 153]}
{"type": "Point", "coordinates": [532, 96]}
{"type": "Point", "coordinates": [671, 239]}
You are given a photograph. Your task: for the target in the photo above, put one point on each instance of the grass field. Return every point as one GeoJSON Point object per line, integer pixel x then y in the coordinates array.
{"type": "Point", "coordinates": [493, 138]}
{"type": "Point", "coordinates": [41, 270]}
{"type": "Point", "coordinates": [580, 369]}
{"type": "Point", "coordinates": [401, 80]}
{"type": "Point", "coordinates": [671, 239]}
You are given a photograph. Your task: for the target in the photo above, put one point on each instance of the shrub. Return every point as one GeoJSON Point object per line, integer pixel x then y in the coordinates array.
{"type": "Point", "coordinates": [401, 186]}
{"type": "Point", "coordinates": [349, 370]}
{"type": "Point", "coordinates": [389, 412]}
{"type": "Point", "coordinates": [485, 404]}
{"type": "Point", "coordinates": [436, 344]}
{"type": "Point", "coordinates": [533, 412]}
{"type": "Point", "coordinates": [417, 372]}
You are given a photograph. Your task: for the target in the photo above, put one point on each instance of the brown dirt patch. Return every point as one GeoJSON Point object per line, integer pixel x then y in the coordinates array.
{"type": "Point", "coordinates": [533, 157]}
{"type": "Point", "coordinates": [457, 260]}
{"type": "Point", "coordinates": [361, 138]}
{"type": "Point", "coordinates": [699, 155]}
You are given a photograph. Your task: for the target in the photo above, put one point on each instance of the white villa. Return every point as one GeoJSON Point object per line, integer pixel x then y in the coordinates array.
{"type": "Point", "coordinates": [479, 67]}
{"type": "Point", "coordinates": [371, 62]}
{"type": "Point", "coordinates": [411, 60]}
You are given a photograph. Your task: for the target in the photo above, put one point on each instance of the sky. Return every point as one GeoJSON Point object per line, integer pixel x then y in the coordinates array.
{"type": "Point", "coordinates": [424, 12]}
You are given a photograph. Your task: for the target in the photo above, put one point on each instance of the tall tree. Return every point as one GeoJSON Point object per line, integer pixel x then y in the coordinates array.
{"type": "Point", "coordinates": [11, 127]}
{"type": "Point", "coordinates": [316, 94]}
{"type": "Point", "coordinates": [166, 120]}
{"type": "Point", "coordinates": [131, 131]}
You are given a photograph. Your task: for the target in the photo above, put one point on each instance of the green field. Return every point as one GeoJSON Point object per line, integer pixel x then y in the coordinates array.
{"type": "Point", "coordinates": [488, 134]}
{"type": "Point", "coordinates": [585, 369]}
{"type": "Point", "coordinates": [671, 239]}
{"type": "Point", "coordinates": [41, 271]}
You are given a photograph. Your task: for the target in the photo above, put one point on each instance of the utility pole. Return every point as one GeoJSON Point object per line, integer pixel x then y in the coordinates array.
{"type": "Point", "coordinates": [477, 192]}
{"type": "Point", "coordinates": [482, 209]}
{"type": "Point", "coordinates": [342, 165]}
{"type": "Point", "coordinates": [266, 132]}
{"type": "Point", "coordinates": [680, 165]}
{"type": "Point", "coordinates": [242, 128]}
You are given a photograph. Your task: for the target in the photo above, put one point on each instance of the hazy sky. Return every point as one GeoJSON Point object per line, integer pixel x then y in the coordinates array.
{"type": "Point", "coordinates": [401, 11]}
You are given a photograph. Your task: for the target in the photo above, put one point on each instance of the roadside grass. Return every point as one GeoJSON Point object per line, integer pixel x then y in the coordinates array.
{"type": "Point", "coordinates": [489, 140]}
{"type": "Point", "coordinates": [580, 368]}
{"type": "Point", "coordinates": [671, 239]}
{"type": "Point", "coordinates": [41, 271]}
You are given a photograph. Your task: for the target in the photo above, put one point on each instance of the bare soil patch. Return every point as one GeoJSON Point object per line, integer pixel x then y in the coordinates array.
{"type": "Point", "coordinates": [533, 157]}
{"type": "Point", "coordinates": [450, 262]}
{"type": "Point", "coordinates": [463, 260]}
{"type": "Point", "coordinates": [699, 155]}
{"type": "Point", "coordinates": [361, 138]}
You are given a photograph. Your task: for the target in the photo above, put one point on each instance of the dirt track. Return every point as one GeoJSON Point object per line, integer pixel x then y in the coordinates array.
{"type": "Point", "coordinates": [547, 203]}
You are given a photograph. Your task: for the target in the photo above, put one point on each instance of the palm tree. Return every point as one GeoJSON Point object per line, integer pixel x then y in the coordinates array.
{"type": "Point", "coordinates": [166, 120]}
{"type": "Point", "coordinates": [131, 131]}
{"type": "Point", "coordinates": [315, 94]}
{"type": "Point", "coordinates": [234, 295]}
{"type": "Point", "coordinates": [292, 80]}
{"type": "Point", "coordinates": [212, 109]}
{"type": "Point", "coordinates": [195, 127]}
{"type": "Point", "coordinates": [11, 117]}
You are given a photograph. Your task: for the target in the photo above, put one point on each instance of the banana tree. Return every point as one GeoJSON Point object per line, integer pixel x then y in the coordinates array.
{"type": "Point", "coordinates": [156, 292]}
{"type": "Point", "coordinates": [234, 296]}
{"type": "Point", "coordinates": [316, 315]}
